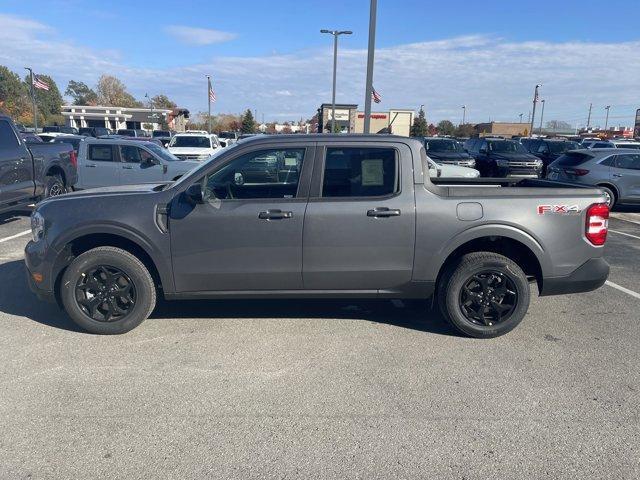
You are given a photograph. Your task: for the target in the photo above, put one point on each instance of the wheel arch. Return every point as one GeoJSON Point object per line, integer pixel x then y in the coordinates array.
{"type": "Point", "coordinates": [56, 169]}
{"type": "Point", "coordinates": [611, 187]}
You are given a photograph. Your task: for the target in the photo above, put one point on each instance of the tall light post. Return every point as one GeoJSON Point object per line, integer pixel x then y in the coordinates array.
{"type": "Point", "coordinates": [541, 116]}
{"type": "Point", "coordinates": [370, 56]}
{"type": "Point", "coordinates": [464, 114]}
{"type": "Point", "coordinates": [521, 117]}
{"type": "Point", "coordinates": [336, 34]}
{"type": "Point", "coordinates": [535, 102]}
{"type": "Point", "coordinates": [606, 122]}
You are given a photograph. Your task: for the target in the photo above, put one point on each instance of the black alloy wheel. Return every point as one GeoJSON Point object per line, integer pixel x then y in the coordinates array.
{"type": "Point", "coordinates": [105, 293]}
{"type": "Point", "coordinates": [488, 298]}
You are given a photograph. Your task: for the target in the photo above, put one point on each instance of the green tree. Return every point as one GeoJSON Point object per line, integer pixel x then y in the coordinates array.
{"type": "Point", "coordinates": [445, 127]}
{"type": "Point", "coordinates": [49, 102]}
{"type": "Point", "coordinates": [14, 97]}
{"type": "Point", "coordinates": [162, 101]}
{"type": "Point", "coordinates": [248, 122]}
{"type": "Point", "coordinates": [81, 93]}
{"type": "Point", "coordinates": [465, 130]}
{"type": "Point", "coordinates": [419, 127]}
{"type": "Point", "coordinates": [113, 93]}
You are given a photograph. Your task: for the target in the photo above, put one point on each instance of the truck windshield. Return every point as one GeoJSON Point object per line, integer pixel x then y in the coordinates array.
{"type": "Point", "coordinates": [443, 146]}
{"type": "Point", "coordinates": [506, 146]}
{"type": "Point", "coordinates": [190, 141]}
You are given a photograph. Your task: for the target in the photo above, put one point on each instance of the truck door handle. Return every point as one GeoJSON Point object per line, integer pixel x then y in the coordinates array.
{"type": "Point", "coordinates": [617, 175]}
{"type": "Point", "coordinates": [274, 215]}
{"type": "Point", "coordinates": [126, 167]}
{"type": "Point", "coordinates": [90, 165]}
{"type": "Point", "coordinates": [383, 212]}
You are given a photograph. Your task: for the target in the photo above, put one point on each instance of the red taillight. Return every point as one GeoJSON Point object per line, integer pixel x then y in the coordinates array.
{"type": "Point", "coordinates": [73, 156]}
{"type": "Point", "coordinates": [597, 223]}
{"type": "Point", "coordinates": [579, 172]}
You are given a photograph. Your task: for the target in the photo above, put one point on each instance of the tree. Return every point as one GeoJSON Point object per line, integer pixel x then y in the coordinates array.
{"type": "Point", "coordinates": [113, 93]}
{"type": "Point", "coordinates": [81, 93]}
{"type": "Point", "coordinates": [286, 128]}
{"type": "Point", "coordinates": [419, 127]}
{"type": "Point", "coordinates": [248, 122]}
{"type": "Point", "coordinates": [465, 130]}
{"type": "Point", "coordinates": [14, 97]}
{"type": "Point", "coordinates": [431, 130]}
{"type": "Point", "coordinates": [49, 102]}
{"type": "Point", "coordinates": [271, 128]}
{"type": "Point", "coordinates": [445, 127]}
{"type": "Point", "coordinates": [558, 125]}
{"type": "Point", "coordinates": [162, 101]}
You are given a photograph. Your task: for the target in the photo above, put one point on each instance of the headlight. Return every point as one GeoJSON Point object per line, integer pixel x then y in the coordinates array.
{"type": "Point", "coordinates": [539, 163]}
{"type": "Point", "coordinates": [37, 226]}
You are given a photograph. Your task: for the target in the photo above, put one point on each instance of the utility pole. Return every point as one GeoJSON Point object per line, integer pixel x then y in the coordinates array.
{"type": "Point", "coordinates": [33, 100]}
{"type": "Point", "coordinates": [464, 114]}
{"type": "Point", "coordinates": [535, 102]}
{"type": "Point", "coordinates": [370, 56]}
{"type": "Point", "coordinates": [541, 116]}
{"type": "Point", "coordinates": [606, 122]}
{"type": "Point", "coordinates": [589, 117]}
{"type": "Point", "coordinates": [335, 34]}
{"type": "Point", "coordinates": [521, 117]}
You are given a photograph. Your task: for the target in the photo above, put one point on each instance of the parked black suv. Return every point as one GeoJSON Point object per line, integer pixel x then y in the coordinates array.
{"type": "Point", "coordinates": [59, 129]}
{"type": "Point", "coordinates": [132, 132]}
{"type": "Point", "coordinates": [448, 151]}
{"type": "Point", "coordinates": [548, 150]}
{"type": "Point", "coordinates": [94, 131]}
{"type": "Point", "coordinates": [497, 157]}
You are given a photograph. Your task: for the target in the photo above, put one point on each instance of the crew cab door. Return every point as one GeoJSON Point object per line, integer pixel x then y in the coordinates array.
{"type": "Point", "coordinates": [16, 167]}
{"type": "Point", "coordinates": [247, 235]}
{"type": "Point", "coordinates": [101, 166]}
{"type": "Point", "coordinates": [359, 231]}
{"type": "Point", "coordinates": [139, 166]}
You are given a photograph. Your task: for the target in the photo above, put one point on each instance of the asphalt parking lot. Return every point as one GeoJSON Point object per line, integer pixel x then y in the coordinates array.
{"type": "Point", "coordinates": [319, 389]}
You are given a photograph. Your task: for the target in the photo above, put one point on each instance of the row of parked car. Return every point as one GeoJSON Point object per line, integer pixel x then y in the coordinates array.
{"type": "Point", "coordinates": [613, 165]}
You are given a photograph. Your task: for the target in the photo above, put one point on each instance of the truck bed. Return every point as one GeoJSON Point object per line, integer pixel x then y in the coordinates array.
{"type": "Point", "coordinates": [508, 187]}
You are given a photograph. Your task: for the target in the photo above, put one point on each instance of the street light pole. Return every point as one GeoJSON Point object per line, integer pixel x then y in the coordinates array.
{"type": "Point", "coordinates": [464, 114]}
{"type": "Point", "coordinates": [533, 115]}
{"type": "Point", "coordinates": [606, 122]}
{"type": "Point", "coordinates": [335, 34]}
{"type": "Point", "coordinates": [541, 116]}
{"type": "Point", "coordinates": [370, 56]}
{"type": "Point", "coordinates": [33, 100]}
{"type": "Point", "coordinates": [521, 117]}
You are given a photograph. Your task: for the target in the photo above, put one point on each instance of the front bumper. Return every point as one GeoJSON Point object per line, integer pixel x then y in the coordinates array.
{"type": "Point", "coordinates": [36, 262]}
{"type": "Point", "coordinates": [589, 276]}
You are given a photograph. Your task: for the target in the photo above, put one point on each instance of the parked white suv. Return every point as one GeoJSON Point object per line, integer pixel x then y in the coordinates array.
{"type": "Point", "coordinates": [194, 145]}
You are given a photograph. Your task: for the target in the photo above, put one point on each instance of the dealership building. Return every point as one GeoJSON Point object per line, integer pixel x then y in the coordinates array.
{"type": "Point", "coordinates": [116, 118]}
{"type": "Point", "coordinates": [350, 120]}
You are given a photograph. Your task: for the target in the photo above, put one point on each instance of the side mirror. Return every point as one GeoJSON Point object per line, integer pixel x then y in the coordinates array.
{"type": "Point", "coordinates": [194, 194]}
{"type": "Point", "coordinates": [238, 178]}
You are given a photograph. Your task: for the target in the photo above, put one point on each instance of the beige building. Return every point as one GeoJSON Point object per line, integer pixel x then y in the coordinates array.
{"type": "Point", "coordinates": [503, 129]}
{"type": "Point", "coordinates": [396, 122]}
{"type": "Point", "coordinates": [116, 118]}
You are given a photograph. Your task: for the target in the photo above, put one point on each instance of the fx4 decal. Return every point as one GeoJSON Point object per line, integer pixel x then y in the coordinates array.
{"type": "Point", "coordinates": [559, 209]}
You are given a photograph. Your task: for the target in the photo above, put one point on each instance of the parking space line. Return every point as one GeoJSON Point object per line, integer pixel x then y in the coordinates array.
{"type": "Point", "coordinates": [622, 289]}
{"type": "Point", "coordinates": [625, 234]}
{"type": "Point", "coordinates": [624, 218]}
{"type": "Point", "coordinates": [21, 234]}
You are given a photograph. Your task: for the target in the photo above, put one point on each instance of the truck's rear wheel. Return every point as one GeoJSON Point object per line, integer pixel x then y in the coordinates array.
{"type": "Point", "coordinates": [107, 290]}
{"type": "Point", "coordinates": [54, 186]}
{"type": "Point", "coordinates": [484, 294]}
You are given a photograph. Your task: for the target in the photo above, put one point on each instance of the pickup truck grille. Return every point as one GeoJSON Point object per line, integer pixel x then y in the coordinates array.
{"type": "Point", "coordinates": [195, 157]}
{"type": "Point", "coordinates": [523, 169]}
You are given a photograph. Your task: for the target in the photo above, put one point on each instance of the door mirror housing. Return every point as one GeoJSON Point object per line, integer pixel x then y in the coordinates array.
{"type": "Point", "coordinates": [194, 194]}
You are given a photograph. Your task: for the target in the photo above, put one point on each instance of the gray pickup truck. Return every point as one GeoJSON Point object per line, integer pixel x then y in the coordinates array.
{"type": "Point", "coordinates": [32, 171]}
{"type": "Point", "coordinates": [319, 216]}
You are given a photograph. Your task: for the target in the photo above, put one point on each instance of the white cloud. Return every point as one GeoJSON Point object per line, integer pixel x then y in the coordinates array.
{"type": "Point", "coordinates": [492, 76]}
{"type": "Point", "coordinates": [198, 36]}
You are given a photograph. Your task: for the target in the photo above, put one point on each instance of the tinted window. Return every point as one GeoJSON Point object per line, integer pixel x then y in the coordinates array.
{"type": "Point", "coordinates": [506, 146]}
{"type": "Point", "coordinates": [631, 162]}
{"type": "Point", "coordinates": [261, 174]}
{"type": "Point", "coordinates": [132, 154]}
{"type": "Point", "coordinates": [190, 141]}
{"type": "Point", "coordinates": [559, 147]}
{"type": "Point", "coordinates": [360, 172]}
{"type": "Point", "coordinates": [162, 152]}
{"type": "Point", "coordinates": [635, 146]}
{"type": "Point", "coordinates": [101, 153]}
{"type": "Point", "coordinates": [442, 146]}
{"type": "Point", "coordinates": [571, 159]}
{"type": "Point", "coordinates": [8, 139]}
{"type": "Point", "coordinates": [127, 132]}
{"type": "Point", "coordinates": [609, 161]}
{"type": "Point", "coordinates": [161, 133]}
{"type": "Point", "coordinates": [601, 145]}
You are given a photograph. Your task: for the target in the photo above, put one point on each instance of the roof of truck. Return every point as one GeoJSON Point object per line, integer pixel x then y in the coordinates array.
{"type": "Point", "coordinates": [323, 137]}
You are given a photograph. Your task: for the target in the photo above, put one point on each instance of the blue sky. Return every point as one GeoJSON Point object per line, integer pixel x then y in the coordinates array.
{"type": "Point", "coordinates": [271, 57]}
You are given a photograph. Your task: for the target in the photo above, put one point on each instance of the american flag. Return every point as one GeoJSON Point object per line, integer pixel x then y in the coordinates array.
{"type": "Point", "coordinates": [42, 85]}
{"type": "Point", "coordinates": [375, 96]}
{"type": "Point", "coordinates": [212, 94]}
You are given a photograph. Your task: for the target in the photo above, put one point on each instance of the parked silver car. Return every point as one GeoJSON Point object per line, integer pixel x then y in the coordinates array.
{"type": "Point", "coordinates": [615, 170]}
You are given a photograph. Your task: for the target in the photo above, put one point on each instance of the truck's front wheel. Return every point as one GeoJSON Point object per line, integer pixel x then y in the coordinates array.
{"type": "Point", "coordinates": [107, 290]}
{"type": "Point", "coordinates": [484, 294]}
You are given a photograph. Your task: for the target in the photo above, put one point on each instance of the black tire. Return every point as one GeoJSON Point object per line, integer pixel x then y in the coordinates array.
{"type": "Point", "coordinates": [454, 299]}
{"type": "Point", "coordinates": [612, 198]}
{"type": "Point", "coordinates": [54, 186]}
{"type": "Point", "coordinates": [78, 296]}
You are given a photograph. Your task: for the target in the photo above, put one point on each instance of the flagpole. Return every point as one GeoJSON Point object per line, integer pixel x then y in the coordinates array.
{"type": "Point", "coordinates": [209, 101]}
{"type": "Point", "coordinates": [33, 100]}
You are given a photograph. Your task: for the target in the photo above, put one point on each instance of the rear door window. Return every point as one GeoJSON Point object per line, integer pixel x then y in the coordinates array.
{"type": "Point", "coordinates": [101, 153]}
{"type": "Point", "coordinates": [360, 172]}
{"type": "Point", "coordinates": [629, 162]}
